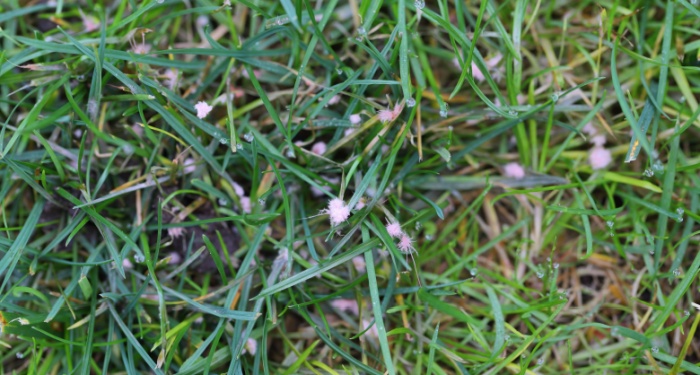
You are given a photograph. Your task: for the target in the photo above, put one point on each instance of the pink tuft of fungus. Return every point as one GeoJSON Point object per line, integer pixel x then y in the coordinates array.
{"type": "Point", "coordinates": [90, 23]}
{"type": "Point", "coordinates": [359, 263]}
{"type": "Point", "coordinates": [590, 129]}
{"type": "Point", "coordinates": [251, 346]}
{"type": "Point", "coordinates": [319, 148]}
{"type": "Point", "coordinates": [598, 140]}
{"type": "Point", "coordinates": [394, 229]}
{"type": "Point", "coordinates": [338, 211]}
{"type": "Point", "coordinates": [346, 304]}
{"type": "Point", "coordinates": [599, 157]}
{"type": "Point", "coordinates": [514, 170]}
{"type": "Point", "coordinates": [476, 73]}
{"type": "Point", "coordinates": [203, 109]}
{"type": "Point", "coordinates": [389, 115]}
{"type": "Point", "coordinates": [371, 331]}
{"type": "Point", "coordinates": [406, 244]}
{"type": "Point", "coordinates": [176, 232]}
{"type": "Point", "coordinates": [140, 48]}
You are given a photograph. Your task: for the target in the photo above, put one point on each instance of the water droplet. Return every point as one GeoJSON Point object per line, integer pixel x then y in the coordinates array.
{"type": "Point", "coordinates": [261, 201]}
{"type": "Point", "coordinates": [410, 102]}
{"type": "Point", "coordinates": [20, 355]}
{"type": "Point", "coordinates": [686, 313]}
{"type": "Point", "coordinates": [682, 100]}
{"type": "Point", "coordinates": [223, 141]}
{"type": "Point", "coordinates": [248, 137]}
{"type": "Point", "coordinates": [555, 97]}
{"type": "Point", "coordinates": [160, 1]}
{"type": "Point", "coordinates": [361, 30]}
{"type": "Point", "coordinates": [680, 211]}
{"type": "Point", "coordinates": [677, 272]}
{"type": "Point", "coordinates": [239, 146]}
{"type": "Point", "coordinates": [540, 362]}
{"type": "Point", "coordinates": [655, 349]}
{"type": "Point", "coordinates": [651, 252]}
{"type": "Point", "coordinates": [138, 258]}
{"type": "Point", "coordinates": [473, 271]}
{"type": "Point", "coordinates": [418, 225]}
{"type": "Point", "coordinates": [540, 274]}
{"type": "Point", "coordinates": [420, 4]}
{"type": "Point", "coordinates": [555, 265]}
{"type": "Point", "coordinates": [610, 223]}
{"type": "Point", "coordinates": [222, 202]}
{"type": "Point", "coordinates": [694, 2]}
{"type": "Point", "coordinates": [549, 259]}
{"type": "Point", "coordinates": [648, 173]}
{"type": "Point", "coordinates": [614, 332]}
{"type": "Point", "coordinates": [513, 112]}
{"type": "Point", "coordinates": [428, 237]}
{"type": "Point", "coordinates": [507, 338]}
{"type": "Point", "coordinates": [290, 153]}
{"type": "Point", "coordinates": [658, 166]}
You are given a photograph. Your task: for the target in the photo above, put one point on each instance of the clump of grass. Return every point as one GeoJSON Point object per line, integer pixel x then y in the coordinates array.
{"type": "Point", "coordinates": [236, 187]}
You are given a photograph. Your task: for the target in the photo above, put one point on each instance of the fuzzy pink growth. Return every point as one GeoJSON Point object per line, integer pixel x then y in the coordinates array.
{"type": "Point", "coordinates": [246, 205]}
{"type": "Point", "coordinates": [140, 49]}
{"type": "Point", "coordinates": [599, 157]}
{"type": "Point", "coordinates": [389, 115]}
{"type": "Point", "coordinates": [256, 72]}
{"type": "Point", "coordinates": [175, 258]}
{"type": "Point", "coordinates": [189, 166]}
{"type": "Point", "coordinates": [406, 244]}
{"type": "Point", "coordinates": [89, 23]}
{"type": "Point", "coordinates": [338, 211]}
{"type": "Point", "coordinates": [334, 100]}
{"type": "Point", "coordinates": [319, 148]}
{"type": "Point", "coordinates": [514, 170]}
{"type": "Point", "coordinates": [345, 304]}
{"type": "Point", "coordinates": [394, 229]}
{"type": "Point", "coordinates": [251, 346]}
{"type": "Point", "coordinates": [170, 78]}
{"type": "Point", "coordinates": [476, 73]}
{"type": "Point", "coordinates": [598, 140]}
{"type": "Point", "coordinates": [386, 115]}
{"type": "Point", "coordinates": [372, 332]}
{"type": "Point", "coordinates": [359, 263]}
{"type": "Point", "coordinates": [176, 232]}
{"type": "Point", "coordinates": [590, 129]}
{"type": "Point", "coordinates": [203, 109]}
{"type": "Point", "coordinates": [355, 119]}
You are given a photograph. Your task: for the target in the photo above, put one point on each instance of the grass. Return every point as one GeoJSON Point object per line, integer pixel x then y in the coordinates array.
{"type": "Point", "coordinates": [137, 237]}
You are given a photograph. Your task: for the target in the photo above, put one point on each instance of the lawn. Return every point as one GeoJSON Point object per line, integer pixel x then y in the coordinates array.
{"type": "Point", "coordinates": [349, 187]}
